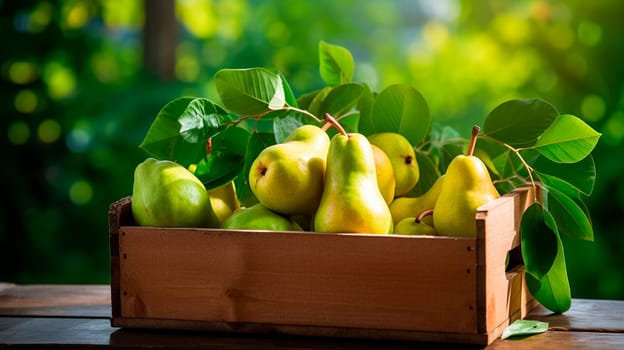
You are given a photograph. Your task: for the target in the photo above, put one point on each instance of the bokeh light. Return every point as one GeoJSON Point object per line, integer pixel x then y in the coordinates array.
{"type": "Point", "coordinates": [18, 133]}
{"type": "Point", "coordinates": [60, 80]}
{"type": "Point", "coordinates": [22, 72]}
{"type": "Point", "coordinates": [26, 101]}
{"type": "Point", "coordinates": [81, 192]}
{"type": "Point", "coordinates": [49, 131]}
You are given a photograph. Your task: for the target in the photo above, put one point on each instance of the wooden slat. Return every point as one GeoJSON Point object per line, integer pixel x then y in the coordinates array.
{"type": "Point", "coordinates": [502, 296]}
{"type": "Point", "coordinates": [367, 281]}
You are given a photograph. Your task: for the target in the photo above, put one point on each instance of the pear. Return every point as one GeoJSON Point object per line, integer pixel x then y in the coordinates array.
{"type": "Point", "coordinates": [411, 226]}
{"type": "Point", "coordinates": [351, 200]}
{"type": "Point", "coordinates": [385, 174]}
{"type": "Point", "coordinates": [402, 157]}
{"type": "Point", "coordinates": [259, 217]}
{"type": "Point", "coordinates": [402, 207]}
{"type": "Point", "coordinates": [167, 194]}
{"type": "Point", "coordinates": [288, 177]}
{"type": "Point", "coordinates": [466, 187]}
{"type": "Point", "coordinates": [223, 200]}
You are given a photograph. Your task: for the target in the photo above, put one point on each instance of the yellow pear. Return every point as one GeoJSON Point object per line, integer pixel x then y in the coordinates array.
{"type": "Point", "coordinates": [224, 201]}
{"type": "Point", "coordinates": [411, 226]}
{"type": "Point", "coordinates": [466, 187]}
{"type": "Point", "coordinates": [385, 174]}
{"type": "Point", "coordinates": [402, 157]}
{"type": "Point", "coordinates": [288, 177]}
{"type": "Point", "coordinates": [403, 207]}
{"type": "Point", "coordinates": [351, 200]}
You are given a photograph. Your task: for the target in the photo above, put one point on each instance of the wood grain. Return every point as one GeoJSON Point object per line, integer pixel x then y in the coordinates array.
{"type": "Point", "coordinates": [503, 296]}
{"type": "Point", "coordinates": [366, 281]}
{"type": "Point", "coordinates": [56, 300]}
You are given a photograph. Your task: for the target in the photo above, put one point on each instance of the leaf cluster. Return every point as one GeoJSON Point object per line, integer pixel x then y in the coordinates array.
{"type": "Point", "coordinates": [523, 142]}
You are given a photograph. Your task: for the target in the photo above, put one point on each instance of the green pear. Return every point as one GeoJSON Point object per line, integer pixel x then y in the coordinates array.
{"type": "Point", "coordinates": [351, 200]}
{"type": "Point", "coordinates": [288, 177]}
{"type": "Point", "coordinates": [402, 207]}
{"type": "Point", "coordinates": [411, 226]}
{"type": "Point", "coordinates": [224, 201]}
{"type": "Point", "coordinates": [402, 157]}
{"type": "Point", "coordinates": [385, 174]}
{"type": "Point", "coordinates": [167, 194]}
{"type": "Point", "coordinates": [259, 217]}
{"type": "Point", "coordinates": [466, 187]}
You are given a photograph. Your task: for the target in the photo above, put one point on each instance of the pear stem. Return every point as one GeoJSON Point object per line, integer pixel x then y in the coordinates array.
{"type": "Point", "coordinates": [326, 126]}
{"type": "Point", "coordinates": [473, 140]}
{"type": "Point", "coordinates": [336, 124]}
{"type": "Point", "coordinates": [422, 215]}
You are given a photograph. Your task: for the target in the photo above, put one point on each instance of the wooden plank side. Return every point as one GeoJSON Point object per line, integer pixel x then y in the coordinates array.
{"type": "Point", "coordinates": [360, 281]}
{"type": "Point", "coordinates": [119, 212]}
{"type": "Point", "coordinates": [503, 296]}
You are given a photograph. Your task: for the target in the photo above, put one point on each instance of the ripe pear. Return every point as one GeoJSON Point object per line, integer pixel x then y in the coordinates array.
{"type": "Point", "coordinates": [466, 187]}
{"type": "Point", "coordinates": [259, 217]}
{"type": "Point", "coordinates": [402, 207]}
{"type": "Point", "coordinates": [167, 194]}
{"type": "Point", "coordinates": [413, 227]}
{"type": "Point", "coordinates": [402, 157]}
{"type": "Point", "coordinates": [288, 177]}
{"type": "Point", "coordinates": [224, 201]}
{"type": "Point", "coordinates": [385, 174]}
{"type": "Point", "coordinates": [351, 200]}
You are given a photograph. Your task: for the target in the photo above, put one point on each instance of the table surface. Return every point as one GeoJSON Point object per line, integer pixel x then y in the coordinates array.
{"type": "Point", "coordinates": [62, 316]}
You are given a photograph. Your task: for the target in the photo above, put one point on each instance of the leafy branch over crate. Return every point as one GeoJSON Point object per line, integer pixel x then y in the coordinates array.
{"type": "Point", "coordinates": [522, 143]}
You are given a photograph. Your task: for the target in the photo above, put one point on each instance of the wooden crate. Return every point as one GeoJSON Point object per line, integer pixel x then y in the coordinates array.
{"type": "Point", "coordinates": [440, 289]}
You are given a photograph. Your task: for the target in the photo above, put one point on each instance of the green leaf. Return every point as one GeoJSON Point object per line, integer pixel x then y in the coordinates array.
{"type": "Point", "coordinates": [521, 328]}
{"type": "Point", "coordinates": [349, 122]}
{"type": "Point", "coordinates": [341, 99]}
{"type": "Point", "coordinates": [285, 122]}
{"type": "Point", "coordinates": [226, 158]}
{"type": "Point", "coordinates": [249, 91]}
{"type": "Point", "coordinates": [570, 217]}
{"type": "Point", "coordinates": [551, 289]}
{"type": "Point", "coordinates": [305, 99]}
{"type": "Point", "coordinates": [539, 242]}
{"type": "Point", "coordinates": [429, 173]}
{"type": "Point", "coordinates": [291, 100]}
{"type": "Point", "coordinates": [336, 64]}
{"type": "Point", "coordinates": [218, 168]}
{"type": "Point", "coordinates": [580, 175]}
{"type": "Point", "coordinates": [444, 144]}
{"type": "Point", "coordinates": [402, 109]}
{"type": "Point", "coordinates": [365, 125]}
{"type": "Point", "coordinates": [181, 128]}
{"type": "Point", "coordinates": [315, 105]}
{"type": "Point", "coordinates": [569, 139]}
{"type": "Point", "coordinates": [200, 120]}
{"type": "Point", "coordinates": [519, 123]}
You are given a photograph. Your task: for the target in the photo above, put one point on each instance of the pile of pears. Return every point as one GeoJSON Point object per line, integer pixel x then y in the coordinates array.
{"type": "Point", "coordinates": [350, 183]}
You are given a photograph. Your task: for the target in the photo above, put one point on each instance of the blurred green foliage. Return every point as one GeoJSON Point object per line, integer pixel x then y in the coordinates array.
{"type": "Point", "coordinates": [76, 100]}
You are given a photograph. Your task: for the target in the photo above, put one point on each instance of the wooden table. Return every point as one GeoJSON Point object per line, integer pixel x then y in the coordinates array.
{"type": "Point", "coordinates": [78, 316]}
